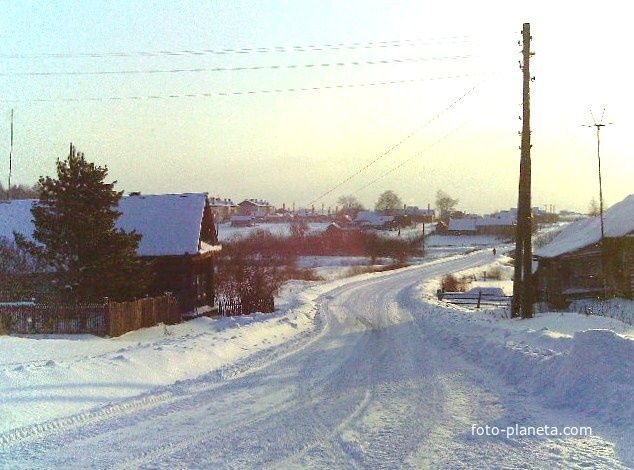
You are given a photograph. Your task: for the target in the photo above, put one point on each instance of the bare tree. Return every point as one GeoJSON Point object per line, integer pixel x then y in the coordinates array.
{"type": "Point", "coordinates": [445, 205]}
{"type": "Point", "coordinates": [593, 208]}
{"type": "Point", "coordinates": [350, 205]}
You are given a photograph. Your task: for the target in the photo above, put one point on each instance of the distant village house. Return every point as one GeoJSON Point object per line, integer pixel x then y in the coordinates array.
{"type": "Point", "coordinates": [256, 208]}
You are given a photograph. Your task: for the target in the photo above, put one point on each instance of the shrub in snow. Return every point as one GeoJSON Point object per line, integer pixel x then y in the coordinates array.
{"type": "Point", "coordinates": [451, 283]}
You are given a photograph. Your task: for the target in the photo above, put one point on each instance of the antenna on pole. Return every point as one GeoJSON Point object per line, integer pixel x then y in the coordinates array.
{"type": "Point", "coordinates": [10, 158]}
{"type": "Point", "coordinates": [598, 126]}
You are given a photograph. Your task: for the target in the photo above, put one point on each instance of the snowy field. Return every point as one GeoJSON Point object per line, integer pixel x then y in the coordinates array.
{"type": "Point", "coordinates": [226, 232]}
{"type": "Point", "coordinates": [563, 368]}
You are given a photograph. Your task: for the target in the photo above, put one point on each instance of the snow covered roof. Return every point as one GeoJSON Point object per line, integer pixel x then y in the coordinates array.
{"type": "Point", "coordinates": [216, 201]}
{"type": "Point", "coordinates": [618, 222]}
{"type": "Point", "coordinates": [169, 223]}
{"type": "Point", "coordinates": [373, 218]}
{"type": "Point", "coordinates": [462, 225]}
{"type": "Point", "coordinates": [495, 221]}
{"type": "Point", "coordinates": [417, 211]}
{"type": "Point", "coordinates": [16, 216]}
{"type": "Point", "coordinates": [255, 202]}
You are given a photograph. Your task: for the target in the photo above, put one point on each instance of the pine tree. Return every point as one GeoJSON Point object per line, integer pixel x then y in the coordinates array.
{"type": "Point", "coordinates": [76, 236]}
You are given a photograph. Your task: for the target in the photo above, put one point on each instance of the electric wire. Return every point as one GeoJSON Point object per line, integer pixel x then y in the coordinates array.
{"type": "Point", "coordinates": [234, 69]}
{"type": "Point", "coordinates": [426, 149]}
{"type": "Point", "coordinates": [232, 93]}
{"type": "Point", "coordinates": [241, 51]}
{"type": "Point", "coordinates": [403, 140]}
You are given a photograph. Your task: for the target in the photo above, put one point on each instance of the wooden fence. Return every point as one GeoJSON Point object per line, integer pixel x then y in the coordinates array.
{"type": "Point", "coordinates": [476, 300]}
{"type": "Point", "coordinates": [143, 313]}
{"type": "Point", "coordinates": [231, 306]}
{"type": "Point", "coordinates": [111, 319]}
{"type": "Point", "coordinates": [31, 318]}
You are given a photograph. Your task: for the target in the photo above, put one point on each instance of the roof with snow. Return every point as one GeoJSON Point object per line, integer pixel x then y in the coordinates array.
{"type": "Point", "coordinates": [495, 221]}
{"type": "Point", "coordinates": [216, 201]}
{"type": "Point", "coordinates": [618, 222]}
{"type": "Point", "coordinates": [462, 225]}
{"type": "Point", "coordinates": [255, 202]}
{"type": "Point", "coordinates": [169, 223]}
{"type": "Point", "coordinates": [373, 218]}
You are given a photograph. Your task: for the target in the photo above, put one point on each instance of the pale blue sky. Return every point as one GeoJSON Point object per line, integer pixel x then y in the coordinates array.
{"type": "Point", "coordinates": [295, 146]}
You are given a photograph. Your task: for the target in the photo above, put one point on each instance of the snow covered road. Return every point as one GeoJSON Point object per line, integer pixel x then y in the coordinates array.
{"type": "Point", "coordinates": [369, 388]}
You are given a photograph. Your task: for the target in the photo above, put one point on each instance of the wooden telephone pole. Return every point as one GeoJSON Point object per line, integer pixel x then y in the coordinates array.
{"type": "Point", "coordinates": [522, 282]}
{"type": "Point", "coordinates": [10, 158]}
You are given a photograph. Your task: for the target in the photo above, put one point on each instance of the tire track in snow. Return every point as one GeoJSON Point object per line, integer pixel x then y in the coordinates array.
{"type": "Point", "coordinates": [181, 390]}
{"type": "Point", "coordinates": [166, 399]}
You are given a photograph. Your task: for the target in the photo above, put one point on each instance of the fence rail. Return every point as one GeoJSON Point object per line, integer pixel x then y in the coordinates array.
{"type": "Point", "coordinates": [111, 319]}
{"type": "Point", "coordinates": [478, 300]}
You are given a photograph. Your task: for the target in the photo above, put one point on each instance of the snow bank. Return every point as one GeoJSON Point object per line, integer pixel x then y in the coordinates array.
{"type": "Point", "coordinates": [43, 377]}
{"type": "Point", "coordinates": [571, 360]}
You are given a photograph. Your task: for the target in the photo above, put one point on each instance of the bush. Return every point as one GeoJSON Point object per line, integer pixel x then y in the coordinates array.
{"type": "Point", "coordinates": [495, 273]}
{"type": "Point", "coordinates": [451, 283]}
{"type": "Point", "coordinates": [5, 324]}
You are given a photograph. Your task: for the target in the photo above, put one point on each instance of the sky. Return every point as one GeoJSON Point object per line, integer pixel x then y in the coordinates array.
{"type": "Point", "coordinates": [300, 102]}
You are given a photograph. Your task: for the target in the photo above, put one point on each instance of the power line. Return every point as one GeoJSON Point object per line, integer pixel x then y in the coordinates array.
{"type": "Point", "coordinates": [232, 93]}
{"type": "Point", "coordinates": [235, 69]}
{"type": "Point", "coordinates": [241, 51]}
{"type": "Point", "coordinates": [445, 137]}
{"type": "Point", "coordinates": [403, 140]}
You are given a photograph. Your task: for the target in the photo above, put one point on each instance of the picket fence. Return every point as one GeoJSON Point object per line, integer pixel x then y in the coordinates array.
{"type": "Point", "coordinates": [108, 319]}
{"type": "Point", "coordinates": [232, 306]}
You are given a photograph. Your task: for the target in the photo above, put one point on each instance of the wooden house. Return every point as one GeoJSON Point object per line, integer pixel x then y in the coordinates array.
{"type": "Point", "coordinates": [242, 221]}
{"type": "Point", "coordinates": [499, 226]}
{"type": "Point", "coordinates": [222, 209]}
{"type": "Point", "coordinates": [578, 264]}
{"type": "Point", "coordinates": [255, 208]}
{"type": "Point", "coordinates": [374, 220]}
{"type": "Point", "coordinates": [178, 239]}
{"type": "Point", "coordinates": [461, 227]}
{"type": "Point", "coordinates": [417, 215]}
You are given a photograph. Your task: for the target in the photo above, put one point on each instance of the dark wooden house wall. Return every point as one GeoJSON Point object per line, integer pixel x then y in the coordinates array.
{"type": "Point", "coordinates": [589, 271]}
{"type": "Point", "coordinates": [507, 231]}
{"type": "Point", "coordinates": [189, 277]}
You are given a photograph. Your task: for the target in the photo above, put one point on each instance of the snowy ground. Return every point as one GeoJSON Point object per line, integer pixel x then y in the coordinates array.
{"type": "Point", "coordinates": [226, 231]}
{"type": "Point", "coordinates": [371, 371]}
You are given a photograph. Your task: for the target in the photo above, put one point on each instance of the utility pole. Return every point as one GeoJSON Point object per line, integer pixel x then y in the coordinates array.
{"type": "Point", "coordinates": [599, 125]}
{"type": "Point", "coordinates": [10, 158]}
{"type": "Point", "coordinates": [522, 282]}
